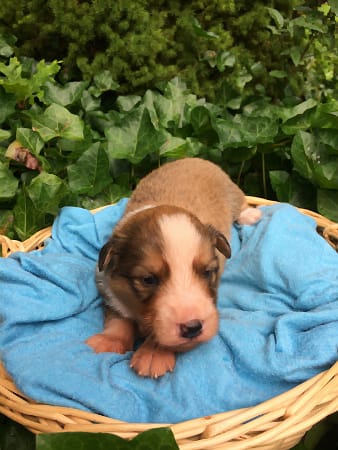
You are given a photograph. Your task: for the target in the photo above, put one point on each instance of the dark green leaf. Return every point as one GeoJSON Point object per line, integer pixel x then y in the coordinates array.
{"type": "Point", "coordinates": [310, 23]}
{"type": "Point", "coordinates": [297, 123]}
{"type": "Point", "coordinates": [246, 131]}
{"type": "Point", "coordinates": [8, 183]}
{"type": "Point", "coordinates": [30, 139]}
{"type": "Point", "coordinates": [328, 136]}
{"type": "Point", "coordinates": [280, 182]}
{"type": "Point", "coordinates": [57, 121]}
{"type": "Point", "coordinates": [80, 441]}
{"type": "Point", "coordinates": [90, 174]}
{"type": "Point", "coordinates": [46, 191]}
{"type": "Point", "coordinates": [135, 138]}
{"type": "Point", "coordinates": [14, 436]}
{"type": "Point", "coordinates": [156, 439]}
{"type": "Point", "coordinates": [27, 218]}
{"type": "Point", "coordinates": [239, 154]}
{"type": "Point", "coordinates": [325, 115]}
{"type": "Point", "coordinates": [4, 135]}
{"type": "Point", "coordinates": [288, 113]}
{"type": "Point", "coordinates": [302, 150]}
{"type": "Point", "coordinates": [7, 105]}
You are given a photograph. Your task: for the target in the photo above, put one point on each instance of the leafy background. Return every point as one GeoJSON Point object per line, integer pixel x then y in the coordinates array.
{"type": "Point", "coordinates": [93, 95]}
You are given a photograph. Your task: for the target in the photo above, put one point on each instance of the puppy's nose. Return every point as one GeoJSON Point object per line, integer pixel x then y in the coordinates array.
{"type": "Point", "coordinates": [191, 329]}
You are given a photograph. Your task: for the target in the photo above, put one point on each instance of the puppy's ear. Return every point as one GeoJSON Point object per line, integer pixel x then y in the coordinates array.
{"type": "Point", "coordinates": [106, 256]}
{"type": "Point", "coordinates": [221, 242]}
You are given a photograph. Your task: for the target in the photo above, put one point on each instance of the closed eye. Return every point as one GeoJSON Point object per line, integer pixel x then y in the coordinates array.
{"type": "Point", "coordinates": [210, 273]}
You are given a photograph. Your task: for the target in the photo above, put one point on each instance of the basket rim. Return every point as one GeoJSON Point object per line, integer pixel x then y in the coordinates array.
{"type": "Point", "coordinates": [278, 423]}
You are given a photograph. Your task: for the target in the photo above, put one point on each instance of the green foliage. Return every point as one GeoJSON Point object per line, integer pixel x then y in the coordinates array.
{"type": "Point", "coordinates": [80, 144]}
{"type": "Point", "coordinates": [209, 44]}
{"type": "Point", "coordinates": [15, 437]}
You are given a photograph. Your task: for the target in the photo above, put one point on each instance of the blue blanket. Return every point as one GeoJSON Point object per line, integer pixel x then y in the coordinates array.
{"type": "Point", "coordinates": [278, 303]}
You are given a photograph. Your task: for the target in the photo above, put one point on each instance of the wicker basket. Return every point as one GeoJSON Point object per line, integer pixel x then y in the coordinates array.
{"type": "Point", "coordinates": [278, 423]}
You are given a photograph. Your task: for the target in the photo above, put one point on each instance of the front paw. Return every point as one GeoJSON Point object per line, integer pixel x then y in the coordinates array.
{"type": "Point", "coordinates": [151, 361]}
{"type": "Point", "coordinates": [101, 343]}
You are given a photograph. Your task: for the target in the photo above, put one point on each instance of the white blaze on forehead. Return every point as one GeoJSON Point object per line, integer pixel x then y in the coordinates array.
{"type": "Point", "coordinates": [181, 245]}
{"type": "Point", "coordinates": [183, 297]}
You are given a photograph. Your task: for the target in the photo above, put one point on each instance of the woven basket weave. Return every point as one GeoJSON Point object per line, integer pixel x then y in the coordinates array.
{"type": "Point", "coordinates": [278, 423]}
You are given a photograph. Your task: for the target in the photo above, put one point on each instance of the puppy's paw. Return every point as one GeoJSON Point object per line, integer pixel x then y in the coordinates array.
{"type": "Point", "coordinates": [102, 343]}
{"type": "Point", "coordinates": [152, 362]}
{"type": "Point", "coordinates": [249, 216]}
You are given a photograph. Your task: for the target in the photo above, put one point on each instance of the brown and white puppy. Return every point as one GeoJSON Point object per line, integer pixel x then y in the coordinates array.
{"type": "Point", "coordinates": [160, 270]}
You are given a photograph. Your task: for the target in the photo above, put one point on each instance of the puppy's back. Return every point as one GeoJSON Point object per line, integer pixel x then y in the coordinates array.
{"type": "Point", "coordinates": [196, 185]}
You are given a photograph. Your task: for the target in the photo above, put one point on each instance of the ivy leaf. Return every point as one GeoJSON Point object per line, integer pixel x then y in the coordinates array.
{"type": "Point", "coordinates": [313, 161]}
{"type": "Point", "coordinates": [30, 139]}
{"type": "Point", "coordinates": [8, 183]}
{"type": "Point", "coordinates": [26, 88]}
{"type": "Point", "coordinates": [302, 151]}
{"type": "Point", "coordinates": [174, 147]}
{"type": "Point", "coordinates": [244, 131]}
{"type": "Point", "coordinates": [325, 115]}
{"type": "Point", "coordinates": [135, 138]}
{"type": "Point", "coordinates": [288, 113]}
{"type": "Point", "coordinates": [64, 95]}
{"type": "Point", "coordinates": [27, 218]}
{"type": "Point", "coordinates": [328, 136]}
{"type": "Point", "coordinates": [7, 105]}
{"type": "Point", "coordinates": [4, 134]}
{"type": "Point", "coordinates": [90, 174]}
{"type": "Point", "coordinates": [126, 103]}
{"type": "Point", "coordinates": [327, 203]}
{"type": "Point", "coordinates": [46, 191]}
{"type": "Point", "coordinates": [103, 82]}
{"type": "Point", "coordinates": [57, 121]}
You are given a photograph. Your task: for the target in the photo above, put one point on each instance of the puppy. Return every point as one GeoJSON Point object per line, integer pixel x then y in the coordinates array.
{"type": "Point", "coordinates": [159, 271]}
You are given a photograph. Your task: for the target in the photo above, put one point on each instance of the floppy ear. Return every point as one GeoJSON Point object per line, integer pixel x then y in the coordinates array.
{"type": "Point", "coordinates": [221, 242]}
{"type": "Point", "coordinates": [106, 256]}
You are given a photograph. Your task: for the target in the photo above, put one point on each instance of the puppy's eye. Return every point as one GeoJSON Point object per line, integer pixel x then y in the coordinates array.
{"type": "Point", "coordinates": [210, 273]}
{"type": "Point", "coordinates": [150, 280]}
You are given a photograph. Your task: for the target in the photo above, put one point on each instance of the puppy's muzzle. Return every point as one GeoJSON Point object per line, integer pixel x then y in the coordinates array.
{"type": "Point", "coordinates": [191, 329]}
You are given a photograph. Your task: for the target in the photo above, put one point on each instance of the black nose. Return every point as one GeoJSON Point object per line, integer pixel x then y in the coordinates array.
{"type": "Point", "coordinates": [191, 329]}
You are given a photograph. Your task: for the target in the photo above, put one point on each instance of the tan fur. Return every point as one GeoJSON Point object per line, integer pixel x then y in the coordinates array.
{"type": "Point", "coordinates": [160, 270]}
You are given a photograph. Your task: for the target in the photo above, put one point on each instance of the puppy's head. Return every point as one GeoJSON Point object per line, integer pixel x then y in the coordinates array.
{"type": "Point", "coordinates": [162, 266]}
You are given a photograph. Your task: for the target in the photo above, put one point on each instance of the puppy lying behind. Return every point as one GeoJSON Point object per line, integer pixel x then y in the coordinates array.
{"type": "Point", "coordinates": [160, 270]}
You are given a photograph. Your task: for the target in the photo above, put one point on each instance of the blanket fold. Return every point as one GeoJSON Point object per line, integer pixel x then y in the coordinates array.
{"type": "Point", "coordinates": [278, 303]}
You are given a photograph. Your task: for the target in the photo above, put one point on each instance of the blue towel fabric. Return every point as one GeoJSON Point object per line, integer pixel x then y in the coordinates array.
{"type": "Point", "coordinates": [278, 303]}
